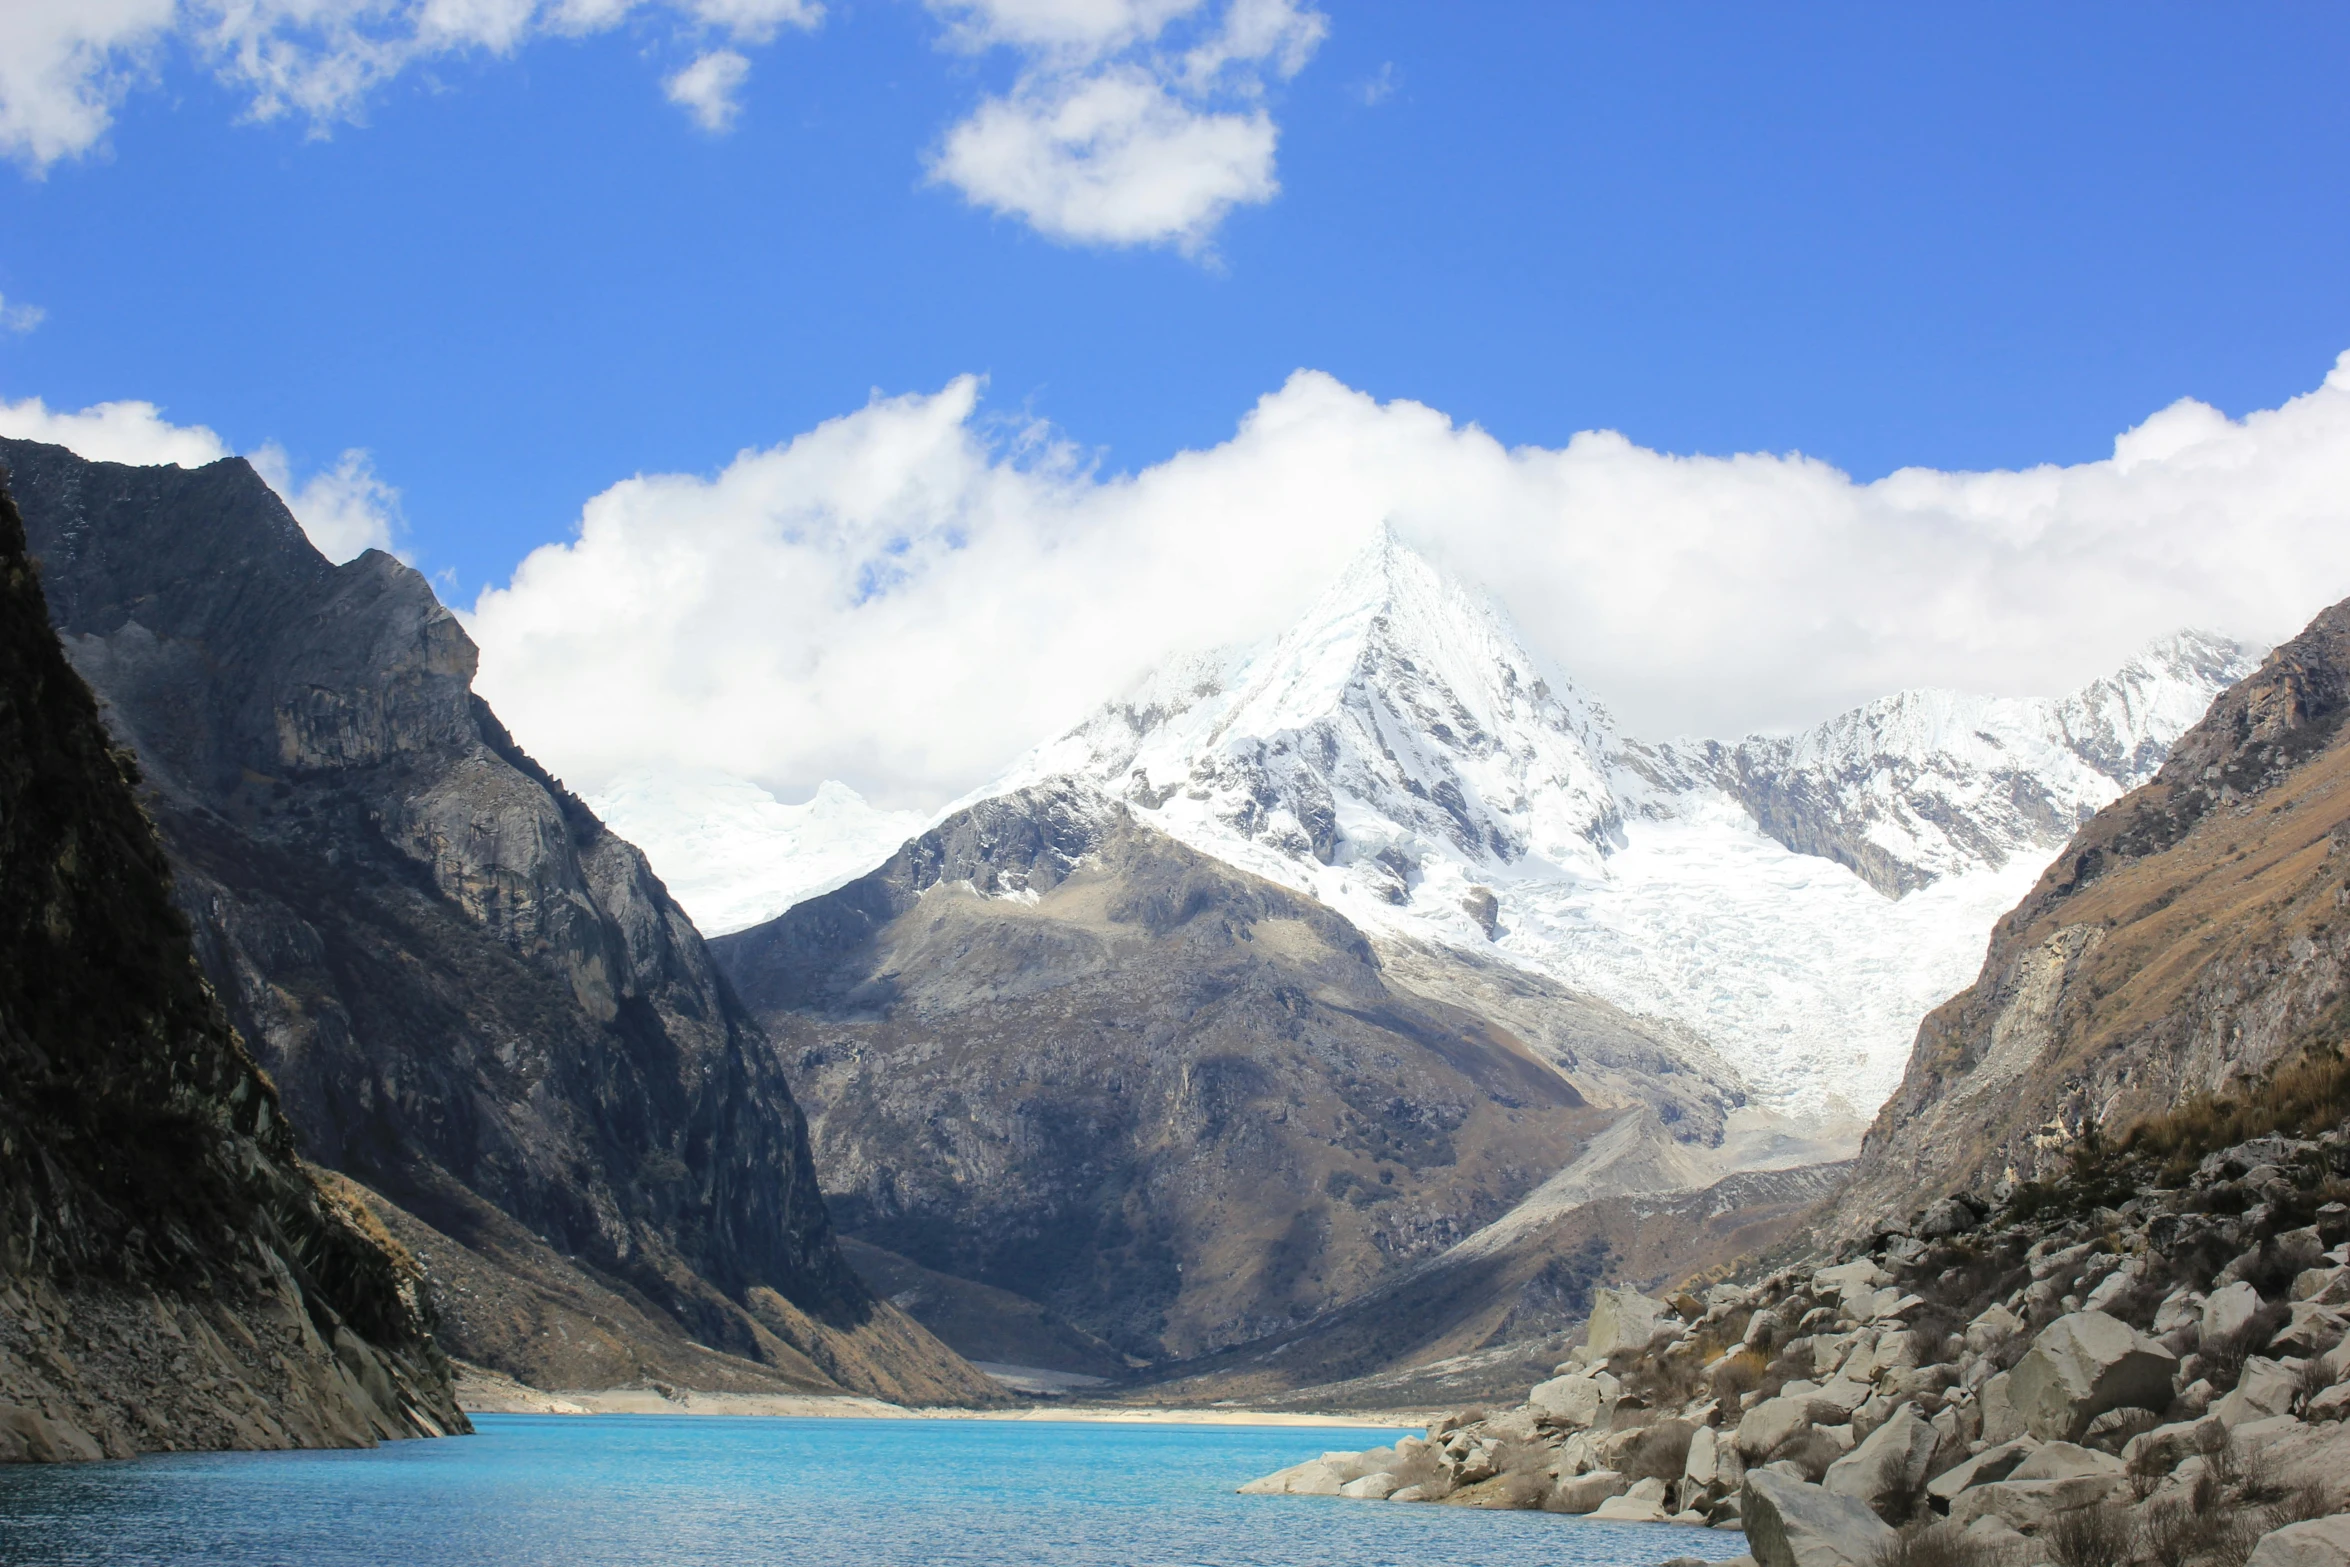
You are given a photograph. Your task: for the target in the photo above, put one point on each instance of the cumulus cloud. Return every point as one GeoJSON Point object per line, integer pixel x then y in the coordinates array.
{"type": "Point", "coordinates": [710, 89]}
{"type": "Point", "coordinates": [902, 600]}
{"type": "Point", "coordinates": [65, 64]}
{"type": "Point", "coordinates": [20, 318]}
{"type": "Point", "coordinates": [1132, 121]}
{"type": "Point", "coordinates": [343, 509]}
{"type": "Point", "coordinates": [125, 432]}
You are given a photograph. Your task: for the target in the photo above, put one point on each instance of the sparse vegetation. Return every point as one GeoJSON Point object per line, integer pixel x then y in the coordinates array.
{"type": "Point", "coordinates": [2308, 1094]}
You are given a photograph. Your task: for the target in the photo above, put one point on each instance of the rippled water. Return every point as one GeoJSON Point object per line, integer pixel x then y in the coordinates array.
{"type": "Point", "coordinates": [656, 1490]}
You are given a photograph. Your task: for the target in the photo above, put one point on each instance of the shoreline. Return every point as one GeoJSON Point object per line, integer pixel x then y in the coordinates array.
{"type": "Point", "coordinates": [490, 1394]}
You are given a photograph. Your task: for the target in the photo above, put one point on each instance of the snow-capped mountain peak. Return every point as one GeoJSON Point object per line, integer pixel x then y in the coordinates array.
{"type": "Point", "coordinates": [1800, 901]}
{"type": "Point", "coordinates": [1400, 716]}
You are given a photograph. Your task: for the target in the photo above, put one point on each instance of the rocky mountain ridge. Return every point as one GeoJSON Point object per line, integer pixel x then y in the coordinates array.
{"type": "Point", "coordinates": [2189, 940]}
{"type": "Point", "coordinates": [172, 1276]}
{"type": "Point", "coordinates": [478, 1003]}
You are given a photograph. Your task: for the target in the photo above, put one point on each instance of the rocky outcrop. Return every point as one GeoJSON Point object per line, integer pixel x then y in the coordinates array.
{"type": "Point", "coordinates": [171, 1275]}
{"type": "Point", "coordinates": [476, 1001]}
{"type": "Point", "coordinates": [1052, 1050]}
{"type": "Point", "coordinates": [2188, 940]}
{"type": "Point", "coordinates": [1838, 1411]}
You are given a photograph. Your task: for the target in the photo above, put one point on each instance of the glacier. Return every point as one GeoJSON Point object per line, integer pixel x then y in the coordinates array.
{"type": "Point", "coordinates": [732, 854]}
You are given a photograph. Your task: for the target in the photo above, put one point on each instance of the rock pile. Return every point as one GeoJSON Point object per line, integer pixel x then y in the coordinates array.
{"type": "Point", "coordinates": [2034, 1378]}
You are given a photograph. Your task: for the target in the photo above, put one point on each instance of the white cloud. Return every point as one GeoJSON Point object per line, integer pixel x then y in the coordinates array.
{"type": "Point", "coordinates": [895, 601]}
{"type": "Point", "coordinates": [65, 64]}
{"type": "Point", "coordinates": [20, 318]}
{"type": "Point", "coordinates": [708, 89]}
{"type": "Point", "coordinates": [1112, 158]}
{"type": "Point", "coordinates": [1128, 122]}
{"type": "Point", "coordinates": [125, 432]}
{"type": "Point", "coordinates": [1115, 133]}
{"type": "Point", "coordinates": [344, 509]}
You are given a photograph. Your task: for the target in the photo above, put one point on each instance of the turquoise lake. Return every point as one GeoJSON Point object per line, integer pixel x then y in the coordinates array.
{"type": "Point", "coordinates": [648, 1491]}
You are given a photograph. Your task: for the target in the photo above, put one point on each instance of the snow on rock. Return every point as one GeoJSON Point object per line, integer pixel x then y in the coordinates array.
{"type": "Point", "coordinates": [732, 854]}
{"type": "Point", "coordinates": [1800, 901]}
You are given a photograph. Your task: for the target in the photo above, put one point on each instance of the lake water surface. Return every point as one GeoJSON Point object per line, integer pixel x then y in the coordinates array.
{"type": "Point", "coordinates": [650, 1491]}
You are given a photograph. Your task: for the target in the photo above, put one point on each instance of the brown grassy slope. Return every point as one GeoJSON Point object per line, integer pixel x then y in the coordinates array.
{"type": "Point", "coordinates": [2192, 936]}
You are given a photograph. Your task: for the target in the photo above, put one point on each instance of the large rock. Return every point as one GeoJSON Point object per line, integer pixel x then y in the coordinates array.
{"type": "Point", "coordinates": [1623, 1319]}
{"type": "Point", "coordinates": [2227, 1311]}
{"type": "Point", "coordinates": [1577, 1402]}
{"type": "Point", "coordinates": [1704, 1461]}
{"type": "Point", "coordinates": [1774, 1420]}
{"type": "Point", "coordinates": [2320, 1542]}
{"type": "Point", "coordinates": [1585, 1492]}
{"type": "Point", "coordinates": [1314, 1477]}
{"type": "Point", "coordinates": [2066, 1461]}
{"type": "Point", "coordinates": [1891, 1464]}
{"type": "Point", "coordinates": [2264, 1389]}
{"type": "Point", "coordinates": [2083, 1365]}
{"type": "Point", "coordinates": [2001, 1422]}
{"type": "Point", "coordinates": [1791, 1524]}
{"type": "Point", "coordinates": [1990, 1465]}
{"type": "Point", "coordinates": [2027, 1504]}
{"type": "Point", "coordinates": [1370, 1488]}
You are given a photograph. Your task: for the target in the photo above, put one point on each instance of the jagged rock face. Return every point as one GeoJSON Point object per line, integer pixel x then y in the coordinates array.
{"type": "Point", "coordinates": [1055, 1051]}
{"type": "Point", "coordinates": [1795, 902]}
{"type": "Point", "coordinates": [170, 1274]}
{"type": "Point", "coordinates": [2188, 938]}
{"type": "Point", "coordinates": [474, 998]}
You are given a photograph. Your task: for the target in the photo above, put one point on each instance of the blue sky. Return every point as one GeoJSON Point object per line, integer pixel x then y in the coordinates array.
{"type": "Point", "coordinates": [1972, 237]}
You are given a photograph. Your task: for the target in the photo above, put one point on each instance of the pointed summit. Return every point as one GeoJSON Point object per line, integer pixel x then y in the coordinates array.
{"type": "Point", "coordinates": [1399, 728]}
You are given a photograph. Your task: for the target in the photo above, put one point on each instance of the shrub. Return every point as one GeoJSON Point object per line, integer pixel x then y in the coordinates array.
{"type": "Point", "coordinates": [1937, 1545]}
{"type": "Point", "coordinates": [1661, 1453]}
{"type": "Point", "coordinates": [2310, 1094]}
{"type": "Point", "coordinates": [2197, 1532]}
{"type": "Point", "coordinates": [1737, 1376]}
{"type": "Point", "coordinates": [2089, 1537]}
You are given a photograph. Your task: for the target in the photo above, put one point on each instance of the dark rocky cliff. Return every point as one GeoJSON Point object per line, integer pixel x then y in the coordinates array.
{"type": "Point", "coordinates": [1053, 1050]}
{"type": "Point", "coordinates": [2192, 937]}
{"type": "Point", "coordinates": [477, 1001]}
{"type": "Point", "coordinates": [171, 1276]}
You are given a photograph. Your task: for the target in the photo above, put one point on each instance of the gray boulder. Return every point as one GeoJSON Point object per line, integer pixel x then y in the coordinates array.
{"type": "Point", "coordinates": [1314, 1477]}
{"type": "Point", "coordinates": [2320, 1542]}
{"type": "Point", "coordinates": [1584, 1402]}
{"type": "Point", "coordinates": [1585, 1492]}
{"type": "Point", "coordinates": [1891, 1464]}
{"type": "Point", "coordinates": [1771, 1422]}
{"type": "Point", "coordinates": [2264, 1390]}
{"type": "Point", "coordinates": [2227, 1311]}
{"type": "Point", "coordinates": [2065, 1461]}
{"type": "Point", "coordinates": [1623, 1319]}
{"type": "Point", "coordinates": [1990, 1465]}
{"type": "Point", "coordinates": [1791, 1524]}
{"type": "Point", "coordinates": [2083, 1365]}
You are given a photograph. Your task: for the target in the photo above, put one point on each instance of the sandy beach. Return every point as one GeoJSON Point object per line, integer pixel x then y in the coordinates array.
{"type": "Point", "coordinates": [486, 1392]}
